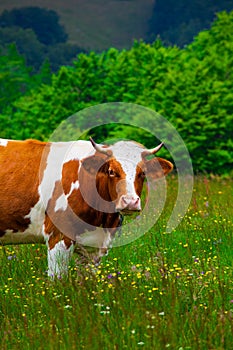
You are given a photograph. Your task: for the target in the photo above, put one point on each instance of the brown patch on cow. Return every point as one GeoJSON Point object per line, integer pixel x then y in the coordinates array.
{"type": "Point", "coordinates": [55, 234]}
{"type": "Point", "coordinates": [105, 177]}
{"type": "Point", "coordinates": [111, 181]}
{"type": "Point", "coordinates": [20, 165]}
{"type": "Point", "coordinates": [139, 179]}
{"type": "Point", "coordinates": [69, 175]}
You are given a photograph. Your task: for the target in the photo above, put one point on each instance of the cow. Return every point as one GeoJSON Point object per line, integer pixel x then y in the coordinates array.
{"type": "Point", "coordinates": [71, 195]}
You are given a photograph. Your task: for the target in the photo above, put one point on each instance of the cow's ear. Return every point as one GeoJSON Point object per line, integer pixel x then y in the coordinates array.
{"type": "Point", "coordinates": [158, 167]}
{"type": "Point", "coordinates": [93, 164]}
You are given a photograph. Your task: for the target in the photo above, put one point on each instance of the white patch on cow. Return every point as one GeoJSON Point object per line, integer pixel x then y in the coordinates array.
{"type": "Point", "coordinates": [36, 216]}
{"type": "Point", "coordinates": [62, 201]}
{"type": "Point", "coordinates": [74, 186]}
{"type": "Point", "coordinates": [53, 170]}
{"type": "Point", "coordinates": [3, 142]}
{"type": "Point", "coordinates": [78, 150]}
{"type": "Point", "coordinates": [99, 238]}
{"type": "Point", "coordinates": [58, 259]}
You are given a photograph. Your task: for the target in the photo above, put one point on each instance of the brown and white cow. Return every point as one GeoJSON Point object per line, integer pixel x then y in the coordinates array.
{"type": "Point", "coordinates": [71, 194]}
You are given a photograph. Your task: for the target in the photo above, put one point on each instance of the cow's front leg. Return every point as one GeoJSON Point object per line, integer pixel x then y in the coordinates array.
{"type": "Point", "coordinates": [58, 258]}
{"type": "Point", "coordinates": [60, 249]}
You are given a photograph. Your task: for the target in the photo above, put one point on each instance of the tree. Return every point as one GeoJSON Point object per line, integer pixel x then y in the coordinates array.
{"type": "Point", "coordinates": [44, 23]}
{"type": "Point", "coordinates": [16, 80]}
{"type": "Point", "coordinates": [26, 43]}
{"type": "Point", "coordinates": [35, 52]}
{"type": "Point", "coordinates": [178, 21]}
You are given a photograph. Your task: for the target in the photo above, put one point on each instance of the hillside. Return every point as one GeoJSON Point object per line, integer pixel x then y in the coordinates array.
{"type": "Point", "coordinates": [97, 24]}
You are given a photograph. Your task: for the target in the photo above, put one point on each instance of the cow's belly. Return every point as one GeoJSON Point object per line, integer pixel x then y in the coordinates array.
{"type": "Point", "coordinates": [32, 234]}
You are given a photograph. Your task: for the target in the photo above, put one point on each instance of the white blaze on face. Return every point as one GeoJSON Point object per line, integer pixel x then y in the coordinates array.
{"type": "Point", "coordinates": [128, 154]}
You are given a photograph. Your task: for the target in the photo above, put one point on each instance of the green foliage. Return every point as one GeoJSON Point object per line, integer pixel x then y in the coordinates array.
{"type": "Point", "coordinates": [16, 79]}
{"type": "Point", "coordinates": [191, 87]}
{"type": "Point", "coordinates": [14, 76]}
{"type": "Point", "coordinates": [27, 44]}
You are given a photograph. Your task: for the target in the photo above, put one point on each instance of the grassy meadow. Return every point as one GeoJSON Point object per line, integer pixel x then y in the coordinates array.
{"type": "Point", "coordinates": [163, 291]}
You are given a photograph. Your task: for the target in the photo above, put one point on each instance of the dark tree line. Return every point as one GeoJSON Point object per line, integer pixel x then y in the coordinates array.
{"type": "Point", "coordinates": [38, 36]}
{"type": "Point", "coordinates": [178, 21]}
{"type": "Point", "coordinates": [44, 23]}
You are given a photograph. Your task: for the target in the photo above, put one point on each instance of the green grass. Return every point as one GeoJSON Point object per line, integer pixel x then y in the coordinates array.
{"type": "Point", "coordinates": [97, 24]}
{"type": "Point", "coordinates": [163, 291]}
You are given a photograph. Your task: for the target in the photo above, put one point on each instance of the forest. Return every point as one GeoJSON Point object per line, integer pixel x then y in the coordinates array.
{"type": "Point", "coordinates": [190, 86]}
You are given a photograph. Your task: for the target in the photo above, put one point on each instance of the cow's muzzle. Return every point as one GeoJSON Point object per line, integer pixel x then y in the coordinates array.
{"type": "Point", "coordinates": [129, 203]}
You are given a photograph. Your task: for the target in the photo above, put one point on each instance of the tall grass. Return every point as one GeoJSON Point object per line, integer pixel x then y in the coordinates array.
{"type": "Point", "coordinates": [163, 291]}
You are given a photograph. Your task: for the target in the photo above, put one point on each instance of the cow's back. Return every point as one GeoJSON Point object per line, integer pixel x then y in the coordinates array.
{"type": "Point", "coordinates": [20, 169]}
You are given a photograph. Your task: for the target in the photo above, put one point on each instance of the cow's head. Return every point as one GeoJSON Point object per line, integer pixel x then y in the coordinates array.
{"type": "Point", "coordinates": [120, 170]}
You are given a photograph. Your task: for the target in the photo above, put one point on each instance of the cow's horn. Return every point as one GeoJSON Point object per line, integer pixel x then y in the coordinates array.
{"type": "Point", "coordinates": [148, 152]}
{"type": "Point", "coordinates": [100, 149]}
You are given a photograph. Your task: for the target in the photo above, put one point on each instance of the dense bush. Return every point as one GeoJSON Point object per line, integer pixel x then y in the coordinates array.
{"type": "Point", "coordinates": [191, 87]}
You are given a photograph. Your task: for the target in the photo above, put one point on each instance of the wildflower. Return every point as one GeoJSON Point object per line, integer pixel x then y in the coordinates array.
{"type": "Point", "coordinates": [11, 257]}
{"type": "Point", "coordinates": [162, 313]}
{"type": "Point", "coordinates": [104, 312]}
